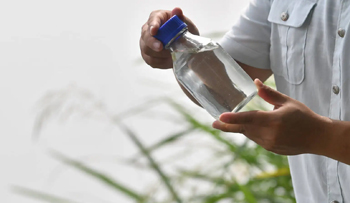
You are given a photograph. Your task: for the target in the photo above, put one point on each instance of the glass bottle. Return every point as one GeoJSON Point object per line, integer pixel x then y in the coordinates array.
{"type": "Point", "coordinates": [206, 70]}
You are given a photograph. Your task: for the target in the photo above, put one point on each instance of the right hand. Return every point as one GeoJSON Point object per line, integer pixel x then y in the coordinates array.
{"type": "Point", "coordinates": [152, 50]}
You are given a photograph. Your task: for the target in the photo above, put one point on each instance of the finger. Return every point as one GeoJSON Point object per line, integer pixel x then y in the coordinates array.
{"type": "Point", "coordinates": [249, 117]}
{"type": "Point", "coordinates": [161, 54]}
{"type": "Point", "coordinates": [178, 11]}
{"type": "Point", "coordinates": [238, 128]}
{"type": "Point", "coordinates": [157, 19]}
{"type": "Point", "coordinates": [270, 95]}
{"type": "Point", "coordinates": [151, 52]}
{"type": "Point", "coordinates": [149, 40]}
{"type": "Point", "coordinates": [234, 128]}
{"type": "Point", "coordinates": [161, 63]}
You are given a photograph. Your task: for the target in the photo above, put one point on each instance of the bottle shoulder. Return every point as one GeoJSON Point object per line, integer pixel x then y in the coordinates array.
{"type": "Point", "coordinates": [193, 43]}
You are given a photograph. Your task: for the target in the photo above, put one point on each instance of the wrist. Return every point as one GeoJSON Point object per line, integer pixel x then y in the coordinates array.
{"type": "Point", "coordinates": [324, 136]}
{"type": "Point", "coordinates": [336, 140]}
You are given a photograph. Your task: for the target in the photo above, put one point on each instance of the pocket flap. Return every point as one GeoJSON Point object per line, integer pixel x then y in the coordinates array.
{"type": "Point", "coordinates": [297, 11]}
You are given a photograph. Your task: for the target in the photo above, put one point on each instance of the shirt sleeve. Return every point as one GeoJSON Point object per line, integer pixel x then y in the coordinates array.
{"type": "Point", "coordinates": [249, 39]}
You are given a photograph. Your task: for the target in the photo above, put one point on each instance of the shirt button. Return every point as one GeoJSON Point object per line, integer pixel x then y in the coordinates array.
{"type": "Point", "coordinates": [334, 201]}
{"type": "Point", "coordinates": [284, 16]}
{"type": "Point", "coordinates": [336, 91]}
{"type": "Point", "coordinates": [341, 32]}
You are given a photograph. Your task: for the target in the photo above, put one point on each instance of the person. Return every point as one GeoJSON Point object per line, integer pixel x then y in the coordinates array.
{"type": "Point", "coordinates": [305, 44]}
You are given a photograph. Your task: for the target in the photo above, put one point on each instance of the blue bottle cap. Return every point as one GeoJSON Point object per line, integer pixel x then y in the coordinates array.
{"type": "Point", "coordinates": [170, 29]}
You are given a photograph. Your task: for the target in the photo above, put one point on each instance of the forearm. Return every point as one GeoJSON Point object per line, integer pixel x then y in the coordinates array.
{"type": "Point", "coordinates": [261, 74]}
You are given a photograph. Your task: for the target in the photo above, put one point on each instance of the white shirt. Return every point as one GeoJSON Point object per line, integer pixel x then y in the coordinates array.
{"type": "Point", "coordinates": [306, 43]}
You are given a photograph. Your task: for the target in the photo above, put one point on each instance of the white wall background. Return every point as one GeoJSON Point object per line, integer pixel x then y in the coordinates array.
{"type": "Point", "coordinates": [49, 45]}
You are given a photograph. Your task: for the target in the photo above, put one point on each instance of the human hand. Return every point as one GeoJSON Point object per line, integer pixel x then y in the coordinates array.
{"type": "Point", "coordinates": [152, 50]}
{"type": "Point", "coordinates": [290, 129]}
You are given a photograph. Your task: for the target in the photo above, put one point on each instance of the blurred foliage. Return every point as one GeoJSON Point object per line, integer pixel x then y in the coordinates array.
{"type": "Point", "coordinates": [44, 197]}
{"type": "Point", "coordinates": [265, 177]}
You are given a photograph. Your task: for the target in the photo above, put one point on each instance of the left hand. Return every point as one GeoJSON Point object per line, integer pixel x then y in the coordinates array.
{"type": "Point", "coordinates": [290, 129]}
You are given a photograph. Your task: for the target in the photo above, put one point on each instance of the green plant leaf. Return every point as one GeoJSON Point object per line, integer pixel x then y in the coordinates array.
{"type": "Point", "coordinates": [109, 181]}
{"type": "Point", "coordinates": [204, 177]}
{"type": "Point", "coordinates": [153, 163]}
{"type": "Point", "coordinates": [248, 195]}
{"type": "Point", "coordinates": [45, 197]}
{"type": "Point", "coordinates": [217, 197]}
{"type": "Point", "coordinates": [198, 125]}
{"type": "Point", "coordinates": [168, 140]}
{"type": "Point", "coordinates": [276, 173]}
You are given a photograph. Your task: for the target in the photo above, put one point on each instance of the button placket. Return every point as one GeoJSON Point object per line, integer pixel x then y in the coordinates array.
{"type": "Point", "coordinates": [333, 183]}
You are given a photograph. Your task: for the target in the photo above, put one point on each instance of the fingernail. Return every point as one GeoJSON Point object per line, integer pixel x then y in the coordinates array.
{"type": "Point", "coordinates": [217, 124]}
{"type": "Point", "coordinates": [258, 82]}
{"type": "Point", "coordinates": [156, 45]}
{"type": "Point", "coordinates": [223, 118]}
{"type": "Point", "coordinates": [150, 29]}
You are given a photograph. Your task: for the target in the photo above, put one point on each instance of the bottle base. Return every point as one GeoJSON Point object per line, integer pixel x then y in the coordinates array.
{"type": "Point", "coordinates": [244, 102]}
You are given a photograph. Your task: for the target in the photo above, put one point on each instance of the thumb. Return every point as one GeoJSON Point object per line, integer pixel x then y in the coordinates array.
{"type": "Point", "coordinates": [270, 95]}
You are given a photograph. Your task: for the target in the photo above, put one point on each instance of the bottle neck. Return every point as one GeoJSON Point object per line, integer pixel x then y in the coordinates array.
{"type": "Point", "coordinates": [184, 40]}
{"type": "Point", "coordinates": [174, 39]}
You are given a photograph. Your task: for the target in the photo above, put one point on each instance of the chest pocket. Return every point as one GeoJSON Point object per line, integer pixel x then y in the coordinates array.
{"type": "Point", "coordinates": [290, 21]}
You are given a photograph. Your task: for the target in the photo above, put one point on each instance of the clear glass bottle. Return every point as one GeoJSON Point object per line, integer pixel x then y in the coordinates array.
{"type": "Point", "coordinates": [204, 68]}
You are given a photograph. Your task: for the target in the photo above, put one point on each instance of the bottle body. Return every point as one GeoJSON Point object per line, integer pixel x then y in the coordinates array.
{"type": "Point", "coordinates": [210, 75]}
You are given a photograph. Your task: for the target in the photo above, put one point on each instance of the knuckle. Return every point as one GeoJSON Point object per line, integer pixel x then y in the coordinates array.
{"type": "Point", "coordinates": [268, 89]}
{"type": "Point", "coordinates": [275, 121]}
{"type": "Point", "coordinates": [144, 29]}
{"type": "Point", "coordinates": [225, 128]}
{"type": "Point", "coordinates": [155, 14]}
{"type": "Point", "coordinates": [149, 41]}
{"type": "Point", "coordinates": [241, 129]}
{"type": "Point", "coordinates": [253, 117]}
{"type": "Point", "coordinates": [160, 16]}
{"type": "Point", "coordinates": [147, 51]}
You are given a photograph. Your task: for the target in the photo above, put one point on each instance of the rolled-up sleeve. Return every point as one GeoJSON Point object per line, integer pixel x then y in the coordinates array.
{"type": "Point", "coordinates": [249, 39]}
